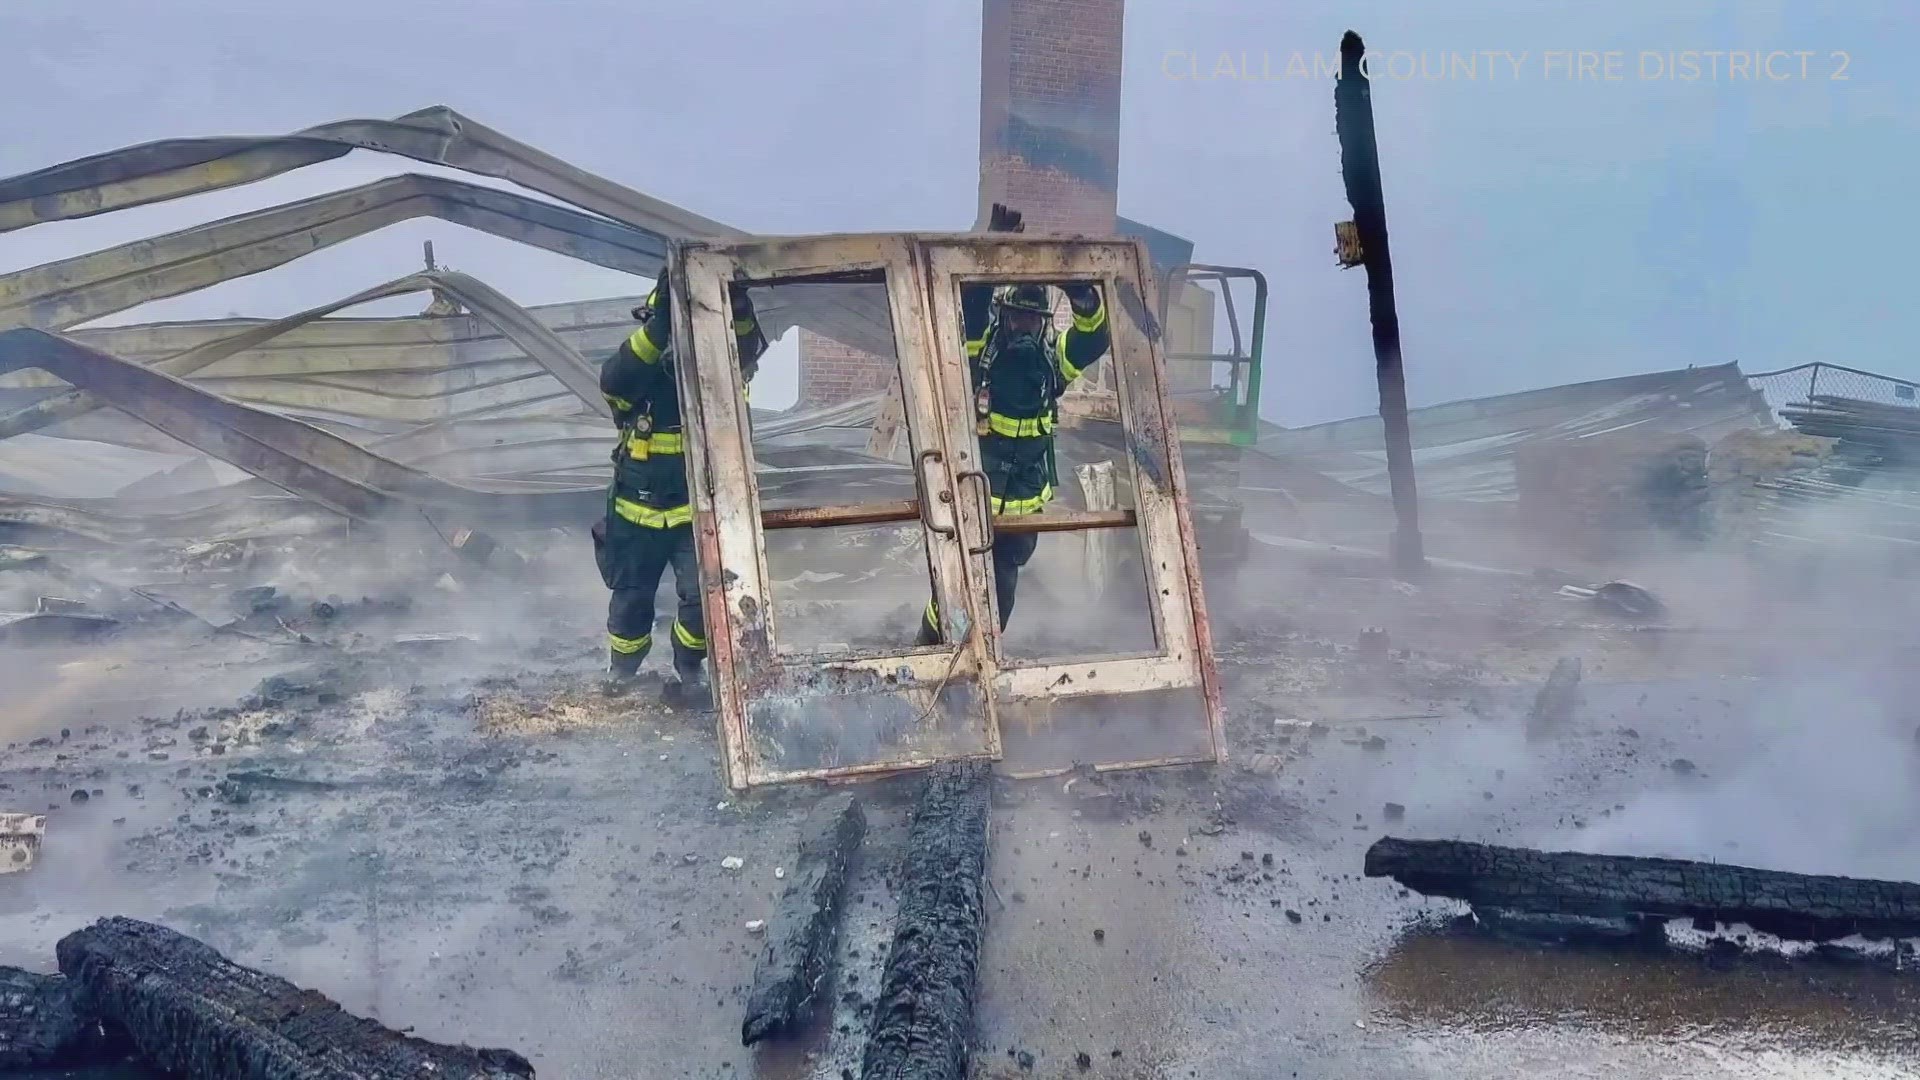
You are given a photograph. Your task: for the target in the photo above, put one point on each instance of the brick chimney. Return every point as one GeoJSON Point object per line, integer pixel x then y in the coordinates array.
{"type": "Point", "coordinates": [1049, 146]}
{"type": "Point", "coordinates": [1050, 111]}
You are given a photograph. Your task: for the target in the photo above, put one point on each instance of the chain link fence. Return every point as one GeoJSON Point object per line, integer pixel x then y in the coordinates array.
{"type": "Point", "coordinates": [1798, 385]}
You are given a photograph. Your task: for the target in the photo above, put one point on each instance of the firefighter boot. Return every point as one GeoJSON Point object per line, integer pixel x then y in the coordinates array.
{"type": "Point", "coordinates": [688, 689]}
{"type": "Point", "coordinates": [623, 671]}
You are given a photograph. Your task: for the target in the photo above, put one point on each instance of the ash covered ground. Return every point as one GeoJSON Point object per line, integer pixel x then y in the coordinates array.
{"type": "Point", "coordinates": [405, 791]}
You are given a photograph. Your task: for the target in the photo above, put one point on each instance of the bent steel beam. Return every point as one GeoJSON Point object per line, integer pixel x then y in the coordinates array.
{"type": "Point", "coordinates": [111, 521]}
{"type": "Point", "coordinates": [170, 169]}
{"type": "Point", "coordinates": [173, 168]}
{"type": "Point", "coordinates": [524, 329]}
{"type": "Point", "coordinates": [515, 322]}
{"type": "Point", "coordinates": [287, 453]}
{"type": "Point", "coordinates": [61, 294]}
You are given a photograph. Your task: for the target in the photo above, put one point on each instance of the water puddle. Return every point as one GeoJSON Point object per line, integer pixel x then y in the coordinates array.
{"type": "Point", "coordinates": [1759, 1014]}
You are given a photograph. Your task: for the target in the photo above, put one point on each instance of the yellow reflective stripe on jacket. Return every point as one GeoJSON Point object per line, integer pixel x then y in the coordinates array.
{"type": "Point", "coordinates": [1017, 428]}
{"type": "Point", "coordinates": [619, 404]}
{"type": "Point", "coordinates": [1015, 507]}
{"type": "Point", "coordinates": [1067, 370]}
{"type": "Point", "coordinates": [687, 637]}
{"type": "Point", "coordinates": [644, 347]}
{"type": "Point", "coordinates": [651, 518]}
{"type": "Point", "coordinates": [742, 327]}
{"type": "Point", "coordinates": [642, 447]}
{"type": "Point", "coordinates": [975, 346]}
{"type": "Point", "coordinates": [627, 646]}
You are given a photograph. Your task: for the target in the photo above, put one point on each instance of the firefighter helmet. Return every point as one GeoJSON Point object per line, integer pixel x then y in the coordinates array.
{"type": "Point", "coordinates": [1026, 298]}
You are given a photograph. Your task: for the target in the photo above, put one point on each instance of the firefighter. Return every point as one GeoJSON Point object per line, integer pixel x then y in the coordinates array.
{"type": "Point", "coordinates": [1020, 367]}
{"type": "Point", "coordinates": [649, 521]}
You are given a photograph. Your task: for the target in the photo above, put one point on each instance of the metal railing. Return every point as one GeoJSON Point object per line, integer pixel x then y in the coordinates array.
{"type": "Point", "coordinates": [1797, 385]}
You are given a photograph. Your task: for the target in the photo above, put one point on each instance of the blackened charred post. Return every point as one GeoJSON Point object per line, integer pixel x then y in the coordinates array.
{"type": "Point", "coordinates": [1360, 169]}
{"type": "Point", "coordinates": [44, 1025]}
{"type": "Point", "coordinates": [800, 941]}
{"type": "Point", "coordinates": [923, 1018]}
{"type": "Point", "coordinates": [1803, 907]}
{"type": "Point", "coordinates": [192, 1012]}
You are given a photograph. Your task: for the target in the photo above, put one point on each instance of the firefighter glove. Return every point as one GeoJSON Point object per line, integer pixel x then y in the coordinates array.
{"type": "Point", "coordinates": [1084, 297]}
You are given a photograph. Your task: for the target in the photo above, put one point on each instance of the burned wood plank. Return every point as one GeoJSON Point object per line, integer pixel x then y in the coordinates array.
{"type": "Point", "coordinates": [923, 1017]}
{"type": "Point", "coordinates": [191, 1011]}
{"type": "Point", "coordinates": [1800, 906]}
{"type": "Point", "coordinates": [43, 1024]}
{"type": "Point", "coordinates": [801, 938]}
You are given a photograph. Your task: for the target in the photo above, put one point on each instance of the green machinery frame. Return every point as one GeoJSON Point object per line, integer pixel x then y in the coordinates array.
{"type": "Point", "coordinates": [1235, 410]}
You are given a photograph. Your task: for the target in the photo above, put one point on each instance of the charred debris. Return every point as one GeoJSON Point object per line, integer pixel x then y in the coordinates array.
{"type": "Point", "coordinates": [1632, 897]}
{"type": "Point", "coordinates": [132, 990]}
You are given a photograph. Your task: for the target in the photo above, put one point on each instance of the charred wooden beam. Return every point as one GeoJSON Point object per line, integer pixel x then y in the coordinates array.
{"type": "Point", "coordinates": [44, 1025]}
{"type": "Point", "coordinates": [923, 1019]}
{"type": "Point", "coordinates": [801, 938]}
{"type": "Point", "coordinates": [1800, 906]}
{"type": "Point", "coordinates": [190, 1011]}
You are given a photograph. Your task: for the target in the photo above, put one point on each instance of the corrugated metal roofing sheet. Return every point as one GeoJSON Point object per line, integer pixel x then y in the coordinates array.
{"type": "Point", "coordinates": [1464, 450]}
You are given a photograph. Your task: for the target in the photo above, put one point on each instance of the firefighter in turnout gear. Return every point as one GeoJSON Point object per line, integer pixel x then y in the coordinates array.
{"type": "Point", "coordinates": [1020, 366]}
{"type": "Point", "coordinates": [649, 522]}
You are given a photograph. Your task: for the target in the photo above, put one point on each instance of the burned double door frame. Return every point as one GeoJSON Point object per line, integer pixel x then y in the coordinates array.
{"type": "Point", "coordinates": [822, 715]}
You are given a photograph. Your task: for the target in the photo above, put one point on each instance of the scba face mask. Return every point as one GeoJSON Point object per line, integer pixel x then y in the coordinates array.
{"type": "Point", "coordinates": [1025, 344]}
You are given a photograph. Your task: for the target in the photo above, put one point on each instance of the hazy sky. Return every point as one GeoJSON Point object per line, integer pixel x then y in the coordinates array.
{"type": "Point", "coordinates": [1546, 227]}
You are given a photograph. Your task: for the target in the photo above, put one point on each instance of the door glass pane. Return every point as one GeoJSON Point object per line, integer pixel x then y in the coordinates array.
{"type": "Point", "coordinates": [1047, 405]}
{"type": "Point", "coordinates": [822, 632]}
{"type": "Point", "coordinates": [1090, 675]}
{"type": "Point", "coordinates": [858, 588]}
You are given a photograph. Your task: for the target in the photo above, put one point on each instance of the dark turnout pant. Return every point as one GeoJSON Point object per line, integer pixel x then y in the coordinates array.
{"type": "Point", "coordinates": [632, 560]}
{"type": "Point", "coordinates": [1011, 552]}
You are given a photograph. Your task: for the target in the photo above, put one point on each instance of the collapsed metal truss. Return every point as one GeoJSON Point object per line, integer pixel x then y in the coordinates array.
{"type": "Point", "coordinates": [621, 229]}
{"type": "Point", "coordinates": [606, 224]}
{"type": "Point", "coordinates": [172, 168]}
{"type": "Point", "coordinates": [71, 291]}
{"type": "Point", "coordinates": [533, 337]}
{"type": "Point", "coordinates": [289, 453]}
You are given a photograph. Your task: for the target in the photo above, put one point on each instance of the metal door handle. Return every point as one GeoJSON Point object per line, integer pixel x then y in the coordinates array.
{"type": "Point", "coordinates": [986, 509]}
{"type": "Point", "coordinates": [920, 460]}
